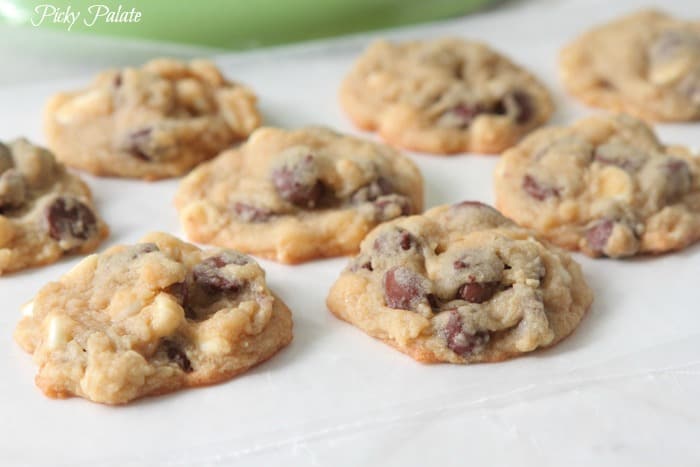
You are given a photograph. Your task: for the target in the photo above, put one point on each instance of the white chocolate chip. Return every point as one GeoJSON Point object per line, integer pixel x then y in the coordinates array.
{"type": "Point", "coordinates": [59, 331]}
{"type": "Point", "coordinates": [167, 315]}
{"type": "Point", "coordinates": [613, 182]}
{"type": "Point", "coordinates": [28, 309]}
{"type": "Point", "coordinates": [672, 70]}
{"type": "Point", "coordinates": [215, 345]}
{"type": "Point", "coordinates": [85, 107]}
{"type": "Point", "coordinates": [85, 265]}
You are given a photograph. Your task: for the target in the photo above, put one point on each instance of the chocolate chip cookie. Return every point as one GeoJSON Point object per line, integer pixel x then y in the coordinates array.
{"type": "Point", "coordinates": [443, 96]}
{"type": "Point", "coordinates": [460, 284]}
{"type": "Point", "coordinates": [646, 64]}
{"type": "Point", "coordinates": [152, 122]}
{"type": "Point", "coordinates": [605, 186]}
{"type": "Point", "coordinates": [45, 212]}
{"type": "Point", "coordinates": [292, 196]}
{"type": "Point", "coordinates": [151, 318]}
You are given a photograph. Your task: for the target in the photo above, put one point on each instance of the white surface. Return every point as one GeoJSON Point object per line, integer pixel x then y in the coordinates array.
{"type": "Point", "coordinates": [623, 390]}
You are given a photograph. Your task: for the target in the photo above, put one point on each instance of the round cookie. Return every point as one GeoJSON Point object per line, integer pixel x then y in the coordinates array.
{"type": "Point", "coordinates": [45, 212]}
{"type": "Point", "coordinates": [646, 64]}
{"type": "Point", "coordinates": [292, 196]}
{"type": "Point", "coordinates": [151, 318]}
{"type": "Point", "coordinates": [460, 284]}
{"type": "Point", "coordinates": [153, 122]}
{"type": "Point", "coordinates": [443, 96]}
{"type": "Point", "coordinates": [605, 186]}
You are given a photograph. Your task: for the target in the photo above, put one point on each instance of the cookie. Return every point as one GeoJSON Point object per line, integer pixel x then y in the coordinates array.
{"type": "Point", "coordinates": [646, 64]}
{"type": "Point", "coordinates": [460, 284]}
{"type": "Point", "coordinates": [443, 96]}
{"type": "Point", "coordinates": [45, 212]}
{"type": "Point", "coordinates": [292, 196]}
{"type": "Point", "coordinates": [153, 122]}
{"type": "Point", "coordinates": [605, 186]}
{"type": "Point", "coordinates": [151, 318]}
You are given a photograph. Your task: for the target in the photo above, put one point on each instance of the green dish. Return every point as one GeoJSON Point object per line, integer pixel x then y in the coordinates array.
{"type": "Point", "coordinates": [235, 24]}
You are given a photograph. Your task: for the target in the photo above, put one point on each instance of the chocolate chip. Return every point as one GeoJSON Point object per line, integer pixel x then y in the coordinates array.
{"type": "Point", "coordinates": [70, 219]}
{"type": "Point", "coordinates": [373, 190]}
{"type": "Point", "coordinates": [209, 274]}
{"type": "Point", "coordinates": [148, 247]}
{"type": "Point", "coordinates": [677, 165]}
{"type": "Point", "coordinates": [143, 248]}
{"type": "Point", "coordinates": [538, 190]}
{"type": "Point", "coordinates": [477, 292]}
{"type": "Point", "coordinates": [516, 103]}
{"type": "Point", "coordinates": [298, 183]}
{"type": "Point", "coordinates": [176, 355]}
{"type": "Point", "coordinates": [249, 213]}
{"type": "Point", "coordinates": [361, 263]}
{"type": "Point", "coordinates": [385, 186]}
{"type": "Point", "coordinates": [209, 281]}
{"type": "Point", "coordinates": [610, 161]}
{"type": "Point", "coordinates": [458, 340]}
{"type": "Point", "coordinates": [228, 257]}
{"type": "Point", "coordinates": [117, 80]}
{"type": "Point", "coordinates": [138, 143]}
{"type": "Point", "coordinates": [471, 204]}
{"type": "Point", "coordinates": [434, 301]}
{"type": "Point", "coordinates": [463, 114]}
{"type": "Point", "coordinates": [13, 190]}
{"type": "Point", "coordinates": [395, 239]}
{"type": "Point", "coordinates": [679, 179]}
{"type": "Point", "coordinates": [598, 234]}
{"type": "Point", "coordinates": [179, 290]}
{"type": "Point", "coordinates": [690, 87]}
{"type": "Point", "coordinates": [403, 288]}
{"type": "Point", "coordinates": [405, 240]}
{"type": "Point", "coordinates": [185, 293]}
{"type": "Point", "coordinates": [465, 208]}
{"type": "Point", "coordinates": [620, 155]}
{"type": "Point", "coordinates": [524, 107]}
{"type": "Point", "coordinates": [671, 42]}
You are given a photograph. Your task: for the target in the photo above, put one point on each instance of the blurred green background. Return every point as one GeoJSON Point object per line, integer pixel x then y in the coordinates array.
{"type": "Point", "coordinates": [238, 24]}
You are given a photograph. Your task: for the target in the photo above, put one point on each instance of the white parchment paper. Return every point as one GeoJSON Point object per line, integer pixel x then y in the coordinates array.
{"type": "Point", "coordinates": [622, 390]}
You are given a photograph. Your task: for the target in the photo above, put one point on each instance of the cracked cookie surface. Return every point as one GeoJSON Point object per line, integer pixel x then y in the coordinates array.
{"type": "Point", "coordinates": [45, 211]}
{"type": "Point", "coordinates": [149, 319]}
{"type": "Point", "coordinates": [443, 96]}
{"type": "Point", "coordinates": [293, 196]}
{"type": "Point", "coordinates": [605, 185]}
{"type": "Point", "coordinates": [646, 64]}
{"type": "Point", "coordinates": [152, 122]}
{"type": "Point", "coordinates": [460, 284]}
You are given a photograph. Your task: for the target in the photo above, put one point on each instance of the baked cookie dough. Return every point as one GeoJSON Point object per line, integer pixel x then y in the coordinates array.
{"type": "Point", "coordinates": [646, 64]}
{"type": "Point", "coordinates": [45, 212]}
{"type": "Point", "coordinates": [605, 186]}
{"type": "Point", "coordinates": [460, 284]}
{"type": "Point", "coordinates": [293, 196]}
{"type": "Point", "coordinates": [151, 318]}
{"type": "Point", "coordinates": [153, 122]}
{"type": "Point", "coordinates": [443, 96]}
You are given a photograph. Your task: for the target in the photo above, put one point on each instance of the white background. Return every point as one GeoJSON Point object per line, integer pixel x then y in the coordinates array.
{"type": "Point", "coordinates": [623, 390]}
